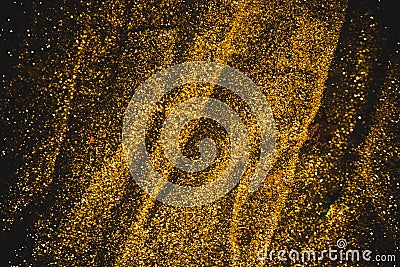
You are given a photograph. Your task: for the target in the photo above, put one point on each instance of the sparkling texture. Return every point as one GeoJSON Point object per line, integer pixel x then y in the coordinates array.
{"type": "Point", "coordinates": [329, 69]}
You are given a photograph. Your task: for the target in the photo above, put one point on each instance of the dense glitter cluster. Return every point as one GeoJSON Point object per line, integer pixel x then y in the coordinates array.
{"type": "Point", "coordinates": [329, 70]}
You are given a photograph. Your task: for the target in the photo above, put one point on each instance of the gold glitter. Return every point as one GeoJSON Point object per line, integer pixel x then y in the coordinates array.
{"type": "Point", "coordinates": [320, 65]}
